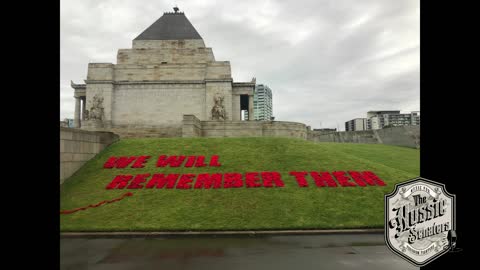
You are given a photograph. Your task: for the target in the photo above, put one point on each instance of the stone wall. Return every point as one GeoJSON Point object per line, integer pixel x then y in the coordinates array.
{"type": "Point", "coordinates": [78, 146]}
{"type": "Point", "coordinates": [408, 136]}
{"type": "Point", "coordinates": [162, 56]}
{"type": "Point", "coordinates": [404, 136]}
{"type": "Point", "coordinates": [165, 72]}
{"type": "Point", "coordinates": [193, 127]}
{"type": "Point", "coordinates": [365, 136]}
{"type": "Point", "coordinates": [168, 44]}
{"type": "Point", "coordinates": [157, 104]}
{"type": "Point", "coordinates": [145, 131]}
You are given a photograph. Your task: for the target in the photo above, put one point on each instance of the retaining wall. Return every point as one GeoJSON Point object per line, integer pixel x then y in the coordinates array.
{"type": "Point", "coordinates": [408, 136]}
{"type": "Point", "coordinates": [78, 146]}
{"type": "Point", "coordinates": [193, 127]}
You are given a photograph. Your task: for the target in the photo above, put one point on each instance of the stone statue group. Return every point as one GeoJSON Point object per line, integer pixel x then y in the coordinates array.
{"type": "Point", "coordinates": [218, 110]}
{"type": "Point", "coordinates": [96, 110]}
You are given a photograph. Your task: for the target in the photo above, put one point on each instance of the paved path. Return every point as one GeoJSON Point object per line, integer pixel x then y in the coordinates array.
{"type": "Point", "coordinates": [350, 251]}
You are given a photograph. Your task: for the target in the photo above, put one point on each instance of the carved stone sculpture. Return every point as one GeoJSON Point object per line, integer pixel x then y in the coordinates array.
{"type": "Point", "coordinates": [96, 110]}
{"type": "Point", "coordinates": [218, 110]}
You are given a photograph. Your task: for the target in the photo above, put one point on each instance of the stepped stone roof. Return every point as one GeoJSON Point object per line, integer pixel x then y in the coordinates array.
{"type": "Point", "coordinates": [171, 26]}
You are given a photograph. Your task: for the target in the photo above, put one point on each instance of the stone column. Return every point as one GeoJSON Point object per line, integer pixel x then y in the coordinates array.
{"type": "Point", "coordinates": [250, 108]}
{"type": "Point", "coordinates": [236, 113]}
{"type": "Point", "coordinates": [84, 106]}
{"type": "Point", "coordinates": [76, 118]}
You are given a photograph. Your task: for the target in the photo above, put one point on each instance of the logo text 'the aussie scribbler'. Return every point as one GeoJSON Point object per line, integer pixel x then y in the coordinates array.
{"type": "Point", "coordinates": [408, 216]}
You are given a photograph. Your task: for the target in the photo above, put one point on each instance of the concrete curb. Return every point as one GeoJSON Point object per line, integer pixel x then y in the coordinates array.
{"type": "Point", "coordinates": [214, 233]}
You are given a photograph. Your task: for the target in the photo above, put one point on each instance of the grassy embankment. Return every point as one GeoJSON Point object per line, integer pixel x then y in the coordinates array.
{"type": "Point", "coordinates": [290, 207]}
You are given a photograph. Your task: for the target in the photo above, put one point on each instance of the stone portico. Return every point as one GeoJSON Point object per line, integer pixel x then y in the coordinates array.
{"type": "Point", "coordinates": [168, 73]}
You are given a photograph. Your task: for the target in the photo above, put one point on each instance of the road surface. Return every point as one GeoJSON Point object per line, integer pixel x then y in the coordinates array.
{"type": "Point", "coordinates": [337, 251]}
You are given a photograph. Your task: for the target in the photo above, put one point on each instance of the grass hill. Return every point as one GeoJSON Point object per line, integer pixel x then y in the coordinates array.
{"type": "Point", "coordinates": [290, 207]}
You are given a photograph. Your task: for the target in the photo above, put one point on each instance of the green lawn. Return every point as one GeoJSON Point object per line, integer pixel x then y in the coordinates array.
{"type": "Point", "coordinates": [290, 207]}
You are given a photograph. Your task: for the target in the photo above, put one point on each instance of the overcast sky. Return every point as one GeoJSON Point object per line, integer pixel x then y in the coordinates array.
{"type": "Point", "coordinates": [326, 61]}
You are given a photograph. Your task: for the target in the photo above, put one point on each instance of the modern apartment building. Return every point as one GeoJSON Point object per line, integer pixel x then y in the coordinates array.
{"type": "Point", "coordinates": [357, 124]}
{"type": "Point", "coordinates": [380, 119]}
{"type": "Point", "coordinates": [262, 103]}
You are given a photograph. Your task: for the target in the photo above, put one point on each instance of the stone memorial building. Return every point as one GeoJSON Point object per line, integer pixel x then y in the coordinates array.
{"type": "Point", "coordinates": [169, 84]}
{"type": "Point", "coordinates": [168, 73]}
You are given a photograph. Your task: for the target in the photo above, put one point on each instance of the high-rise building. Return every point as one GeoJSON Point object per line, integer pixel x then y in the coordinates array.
{"type": "Point", "coordinates": [245, 115]}
{"type": "Point", "coordinates": [380, 119]}
{"type": "Point", "coordinates": [356, 124]}
{"type": "Point", "coordinates": [67, 122]}
{"type": "Point", "coordinates": [262, 103]}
